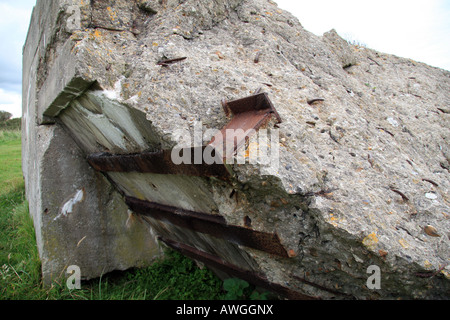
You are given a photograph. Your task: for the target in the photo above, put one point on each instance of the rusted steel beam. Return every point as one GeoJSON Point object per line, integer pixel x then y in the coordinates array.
{"type": "Point", "coordinates": [213, 225]}
{"type": "Point", "coordinates": [233, 270]}
{"type": "Point", "coordinates": [159, 162]}
{"type": "Point", "coordinates": [249, 115]}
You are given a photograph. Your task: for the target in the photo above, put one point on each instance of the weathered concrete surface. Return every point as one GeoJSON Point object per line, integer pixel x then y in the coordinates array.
{"type": "Point", "coordinates": [79, 218]}
{"type": "Point", "coordinates": [361, 173]}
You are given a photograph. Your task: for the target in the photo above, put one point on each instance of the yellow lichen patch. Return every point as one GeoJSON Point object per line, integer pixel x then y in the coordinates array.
{"type": "Point", "coordinates": [403, 243]}
{"type": "Point", "coordinates": [75, 48]}
{"type": "Point", "coordinates": [370, 241]}
{"type": "Point", "coordinates": [333, 220]}
{"type": "Point", "coordinates": [427, 264]}
{"type": "Point", "coordinates": [112, 13]}
{"type": "Point", "coordinates": [252, 150]}
{"type": "Point", "coordinates": [77, 35]}
{"type": "Point", "coordinates": [97, 33]}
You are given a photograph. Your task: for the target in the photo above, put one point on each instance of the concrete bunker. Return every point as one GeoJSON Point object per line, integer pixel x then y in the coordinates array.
{"type": "Point", "coordinates": [107, 100]}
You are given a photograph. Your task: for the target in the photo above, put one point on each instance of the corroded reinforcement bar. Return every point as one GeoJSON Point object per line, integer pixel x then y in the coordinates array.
{"type": "Point", "coordinates": [159, 162]}
{"type": "Point", "coordinates": [209, 224]}
{"type": "Point", "coordinates": [230, 269]}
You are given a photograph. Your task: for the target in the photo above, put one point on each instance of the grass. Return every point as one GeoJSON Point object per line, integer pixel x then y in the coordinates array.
{"type": "Point", "coordinates": [10, 161]}
{"type": "Point", "coordinates": [173, 277]}
{"type": "Point", "coordinates": [19, 259]}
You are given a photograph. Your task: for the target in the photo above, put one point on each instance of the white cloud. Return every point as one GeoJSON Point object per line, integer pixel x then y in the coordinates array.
{"type": "Point", "coordinates": [413, 29]}
{"type": "Point", "coordinates": [11, 102]}
{"type": "Point", "coordinates": [14, 22]}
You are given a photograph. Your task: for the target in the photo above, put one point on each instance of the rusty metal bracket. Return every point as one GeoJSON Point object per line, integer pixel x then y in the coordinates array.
{"type": "Point", "coordinates": [213, 225]}
{"type": "Point", "coordinates": [249, 115]}
{"type": "Point", "coordinates": [253, 103]}
{"type": "Point", "coordinates": [230, 269]}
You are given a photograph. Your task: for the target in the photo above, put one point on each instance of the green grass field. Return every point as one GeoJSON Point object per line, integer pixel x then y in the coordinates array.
{"type": "Point", "coordinates": [10, 161]}
{"type": "Point", "coordinates": [174, 277]}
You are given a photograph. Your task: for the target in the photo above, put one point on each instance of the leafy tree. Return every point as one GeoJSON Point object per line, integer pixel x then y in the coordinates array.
{"type": "Point", "coordinates": [4, 116]}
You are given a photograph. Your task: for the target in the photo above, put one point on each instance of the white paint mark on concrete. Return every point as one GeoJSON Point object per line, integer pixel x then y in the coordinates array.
{"type": "Point", "coordinates": [69, 205]}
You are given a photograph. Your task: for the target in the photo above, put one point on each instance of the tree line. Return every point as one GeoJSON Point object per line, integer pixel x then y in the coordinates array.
{"type": "Point", "coordinates": [7, 123]}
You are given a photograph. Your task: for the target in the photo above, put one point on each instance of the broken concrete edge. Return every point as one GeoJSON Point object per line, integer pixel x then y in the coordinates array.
{"type": "Point", "coordinates": [60, 88]}
{"type": "Point", "coordinates": [63, 99]}
{"type": "Point", "coordinates": [49, 26]}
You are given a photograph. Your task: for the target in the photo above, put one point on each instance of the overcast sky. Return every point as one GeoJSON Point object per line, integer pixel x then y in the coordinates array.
{"type": "Point", "coordinates": [14, 20]}
{"type": "Point", "coordinates": [416, 29]}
